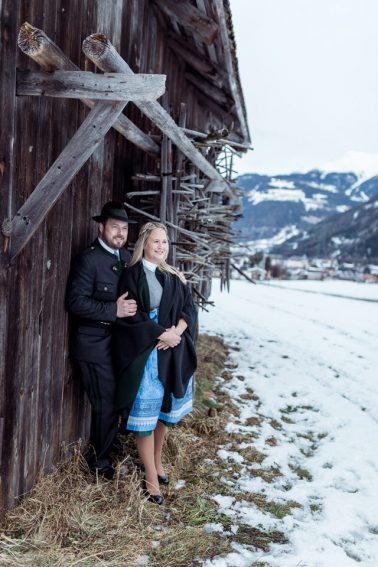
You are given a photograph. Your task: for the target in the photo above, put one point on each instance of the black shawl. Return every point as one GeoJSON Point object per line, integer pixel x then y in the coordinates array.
{"type": "Point", "coordinates": [135, 337]}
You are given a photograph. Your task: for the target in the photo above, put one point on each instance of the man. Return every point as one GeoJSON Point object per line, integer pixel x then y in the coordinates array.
{"type": "Point", "coordinates": [93, 302]}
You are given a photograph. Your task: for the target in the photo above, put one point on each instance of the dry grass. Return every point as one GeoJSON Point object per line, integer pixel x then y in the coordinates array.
{"type": "Point", "coordinates": [71, 519]}
{"type": "Point", "coordinates": [259, 538]}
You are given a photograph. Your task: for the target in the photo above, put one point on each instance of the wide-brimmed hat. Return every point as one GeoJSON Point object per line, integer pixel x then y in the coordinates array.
{"type": "Point", "coordinates": [113, 210]}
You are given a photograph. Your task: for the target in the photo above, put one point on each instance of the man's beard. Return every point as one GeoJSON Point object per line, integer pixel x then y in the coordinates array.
{"type": "Point", "coordinates": [118, 243]}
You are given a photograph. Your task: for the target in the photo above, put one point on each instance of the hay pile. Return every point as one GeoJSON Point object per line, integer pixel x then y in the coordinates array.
{"type": "Point", "coordinates": [71, 519]}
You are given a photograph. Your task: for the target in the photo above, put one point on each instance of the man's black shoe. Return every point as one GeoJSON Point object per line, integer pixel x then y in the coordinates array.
{"type": "Point", "coordinates": [107, 472]}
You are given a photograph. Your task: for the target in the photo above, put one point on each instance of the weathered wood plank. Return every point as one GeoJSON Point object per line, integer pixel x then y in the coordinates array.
{"type": "Point", "coordinates": [99, 50]}
{"type": "Point", "coordinates": [188, 16]}
{"type": "Point", "coordinates": [8, 180]}
{"type": "Point", "coordinates": [84, 84]}
{"type": "Point", "coordinates": [211, 91]}
{"type": "Point", "coordinates": [164, 181]}
{"type": "Point", "coordinates": [72, 158]}
{"type": "Point", "coordinates": [214, 187]}
{"type": "Point", "coordinates": [232, 74]}
{"type": "Point", "coordinates": [39, 47]}
{"type": "Point", "coordinates": [210, 48]}
{"type": "Point", "coordinates": [190, 56]}
{"type": "Point", "coordinates": [194, 133]}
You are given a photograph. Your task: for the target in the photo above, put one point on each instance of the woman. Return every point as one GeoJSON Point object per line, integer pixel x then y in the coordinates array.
{"type": "Point", "coordinates": [154, 351]}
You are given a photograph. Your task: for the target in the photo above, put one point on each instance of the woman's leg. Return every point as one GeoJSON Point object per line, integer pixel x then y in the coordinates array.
{"type": "Point", "coordinates": [145, 447]}
{"type": "Point", "coordinates": [160, 432]}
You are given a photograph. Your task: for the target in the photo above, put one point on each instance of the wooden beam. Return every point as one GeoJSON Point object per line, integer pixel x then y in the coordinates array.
{"type": "Point", "coordinates": [194, 133]}
{"type": "Point", "coordinates": [83, 84]}
{"type": "Point", "coordinates": [210, 48]}
{"type": "Point", "coordinates": [190, 56]}
{"type": "Point", "coordinates": [39, 47]}
{"type": "Point", "coordinates": [227, 118]}
{"type": "Point", "coordinates": [190, 18]}
{"type": "Point", "coordinates": [211, 91]}
{"type": "Point", "coordinates": [98, 49]}
{"type": "Point", "coordinates": [141, 194]}
{"type": "Point", "coordinates": [229, 60]}
{"type": "Point", "coordinates": [49, 189]}
{"type": "Point", "coordinates": [214, 187]}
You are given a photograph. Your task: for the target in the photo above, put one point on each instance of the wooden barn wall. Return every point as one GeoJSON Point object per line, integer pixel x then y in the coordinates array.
{"type": "Point", "coordinates": [41, 404]}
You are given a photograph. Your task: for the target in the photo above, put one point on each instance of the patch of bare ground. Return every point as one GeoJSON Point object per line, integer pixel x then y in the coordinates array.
{"type": "Point", "coordinates": [71, 519]}
{"type": "Point", "coordinates": [259, 538]}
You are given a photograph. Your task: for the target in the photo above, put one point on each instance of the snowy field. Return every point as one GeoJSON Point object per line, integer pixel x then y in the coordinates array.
{"type": "Point", "coordinates": [309, 351]}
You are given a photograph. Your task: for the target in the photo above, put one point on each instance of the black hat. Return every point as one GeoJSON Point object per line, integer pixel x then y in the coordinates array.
{"type": "Point", "coordinates": [113, 210]}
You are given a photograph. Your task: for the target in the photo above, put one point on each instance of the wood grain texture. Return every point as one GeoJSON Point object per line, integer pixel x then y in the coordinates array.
{"type": "Point", "coordinates": [190, 18]}
{"type": "Point", "coordinates": [84, 84]}
{"type": "Point", "coordinates": [90, 134]}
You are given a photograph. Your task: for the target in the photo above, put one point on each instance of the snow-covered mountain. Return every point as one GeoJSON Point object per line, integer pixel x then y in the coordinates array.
{"type": "Point", "coordinates": [348, 236]}
{"type": "Point", "coordinates": [283, 207]}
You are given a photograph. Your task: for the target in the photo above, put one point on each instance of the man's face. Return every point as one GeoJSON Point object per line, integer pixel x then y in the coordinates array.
{"type": "Point", "coordinates": [114, 233]}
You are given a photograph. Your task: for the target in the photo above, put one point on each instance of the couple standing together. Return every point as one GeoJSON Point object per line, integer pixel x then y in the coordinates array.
{"type": "Point", "coordinates": [133, 333]}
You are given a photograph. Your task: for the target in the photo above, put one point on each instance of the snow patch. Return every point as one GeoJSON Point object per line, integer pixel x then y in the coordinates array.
{"type": "Point", "coordinates": [311, 360]}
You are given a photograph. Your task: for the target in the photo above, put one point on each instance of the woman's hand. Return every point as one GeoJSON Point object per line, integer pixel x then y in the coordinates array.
{"type": "Point", "coordinates": [164, 344]}
{"type": "Point", "coordinates": [169, 339]}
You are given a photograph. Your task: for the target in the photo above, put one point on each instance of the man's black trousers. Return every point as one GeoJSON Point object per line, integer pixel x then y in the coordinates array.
{"type": "Point", "coordinates": [99, 383]}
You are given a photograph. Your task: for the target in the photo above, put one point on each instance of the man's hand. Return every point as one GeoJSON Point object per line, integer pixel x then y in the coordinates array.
{"type": "Point", "coordinates": [126, 307]}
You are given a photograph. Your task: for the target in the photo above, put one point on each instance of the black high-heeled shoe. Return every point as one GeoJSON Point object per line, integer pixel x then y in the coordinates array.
{"type": "Point", "coordinates": [163, 479]}
{"type": "Point", "coordinates": [155, 498]}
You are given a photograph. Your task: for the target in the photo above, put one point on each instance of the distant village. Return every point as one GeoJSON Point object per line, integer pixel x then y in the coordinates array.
{"type": "Point", "coordinates": [262, 266]}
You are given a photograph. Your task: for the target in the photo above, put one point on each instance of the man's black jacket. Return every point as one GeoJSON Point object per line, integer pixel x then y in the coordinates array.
{"type": "Point", "coordinates": [91, 296]}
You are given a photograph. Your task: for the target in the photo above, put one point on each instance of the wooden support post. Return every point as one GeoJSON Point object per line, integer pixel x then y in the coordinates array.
{"type": "Point", "coordinates": [39, 47]}
{"type": "Point", "coordinates": [168, 175]}
{"type": "Point", "coordinates": [164, 181]}
{"type": "Point", "coordinates": [99, 49]}
{"type": "Point", "coordinates": [83, 84]}
{"type": "Point", "coordinates": [75, 154]}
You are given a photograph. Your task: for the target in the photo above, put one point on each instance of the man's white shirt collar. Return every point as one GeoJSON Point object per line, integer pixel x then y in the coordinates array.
{"type": "Point", "coordinates": [111, 250]}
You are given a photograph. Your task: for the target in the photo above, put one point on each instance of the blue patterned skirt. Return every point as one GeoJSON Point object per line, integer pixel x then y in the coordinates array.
{"type": "Point", "coordinates": [146, 409]}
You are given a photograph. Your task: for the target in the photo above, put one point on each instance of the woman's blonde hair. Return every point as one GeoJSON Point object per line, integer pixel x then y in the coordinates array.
{"type": "Point", "coordinates": [144, 234]}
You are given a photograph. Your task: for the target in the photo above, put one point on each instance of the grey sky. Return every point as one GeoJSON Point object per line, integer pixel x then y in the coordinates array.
{"type": "Point", "coordinates": [309, 71]}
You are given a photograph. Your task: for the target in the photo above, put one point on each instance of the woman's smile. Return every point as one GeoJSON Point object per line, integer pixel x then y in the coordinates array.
{"type": "Point", "coordinates": [156, 246]}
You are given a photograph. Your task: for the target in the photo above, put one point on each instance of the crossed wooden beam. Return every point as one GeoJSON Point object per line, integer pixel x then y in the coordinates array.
{"type": "Point", "coordinates": [107, 95]}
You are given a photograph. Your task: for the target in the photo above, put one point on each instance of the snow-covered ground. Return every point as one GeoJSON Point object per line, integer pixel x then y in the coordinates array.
{"type": "Point", "coordinates": [310, 353]}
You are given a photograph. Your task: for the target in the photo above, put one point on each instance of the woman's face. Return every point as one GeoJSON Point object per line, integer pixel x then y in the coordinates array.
{"type": "Point", "coordinates": [156, 246]}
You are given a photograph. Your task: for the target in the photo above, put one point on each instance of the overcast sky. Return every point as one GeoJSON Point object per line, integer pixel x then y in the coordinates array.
{"type": "Point", "coordinates": [309, 72]}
